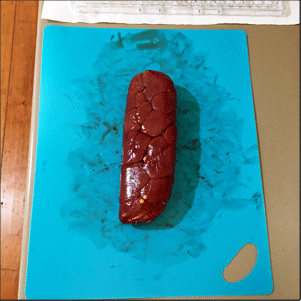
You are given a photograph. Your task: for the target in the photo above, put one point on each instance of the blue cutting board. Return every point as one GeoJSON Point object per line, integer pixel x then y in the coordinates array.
{"type": "Point", "coordinates": [78, 249]}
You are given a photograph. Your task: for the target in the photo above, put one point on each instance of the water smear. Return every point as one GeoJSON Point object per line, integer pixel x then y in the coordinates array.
{"type": "Point", "coordinates": [209, 151]}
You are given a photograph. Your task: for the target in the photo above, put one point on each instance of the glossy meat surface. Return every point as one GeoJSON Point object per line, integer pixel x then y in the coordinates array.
{"type": "Point", "coordinates": [149, 147]}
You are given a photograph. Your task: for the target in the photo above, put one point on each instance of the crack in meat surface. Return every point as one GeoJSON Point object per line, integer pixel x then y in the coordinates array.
{"type": "Point", "coordinates": [149, 147]}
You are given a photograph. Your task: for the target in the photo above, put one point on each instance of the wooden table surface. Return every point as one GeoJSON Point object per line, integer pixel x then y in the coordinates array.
{"type": "Point", "coordinates": [18, 41]}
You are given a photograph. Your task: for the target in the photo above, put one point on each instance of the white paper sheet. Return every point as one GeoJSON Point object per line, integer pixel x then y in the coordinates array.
{"type": "Point", "coordinates": [193, 13]}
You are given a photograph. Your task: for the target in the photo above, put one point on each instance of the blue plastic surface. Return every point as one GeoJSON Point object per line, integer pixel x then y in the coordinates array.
{"type": "Point", "coordinates": [78, 248]}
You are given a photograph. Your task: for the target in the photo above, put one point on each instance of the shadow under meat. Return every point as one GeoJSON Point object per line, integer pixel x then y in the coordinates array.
{"type": "Point", "coordinates": [188, 155]}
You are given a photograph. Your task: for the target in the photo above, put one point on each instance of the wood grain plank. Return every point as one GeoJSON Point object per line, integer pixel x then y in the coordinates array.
{"type": "Point", "coordinates": [9, 282]}
{"type": "Point", "coordinates": [28, 9]}
{"type": "Point", "coordinates": [16, 144]}
{"type": "Point", "coordinates": [8, 12]}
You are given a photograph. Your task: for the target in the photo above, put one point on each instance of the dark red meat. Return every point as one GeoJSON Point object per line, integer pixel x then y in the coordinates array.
{"type": "Point", "coordinates": [149, 147]}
